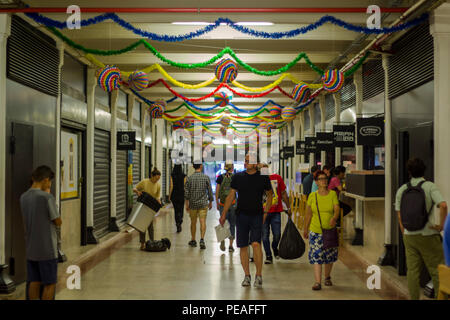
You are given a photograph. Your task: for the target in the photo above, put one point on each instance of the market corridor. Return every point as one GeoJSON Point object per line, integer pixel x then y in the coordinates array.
{"type": "Point", "coordinates": [193, 274]}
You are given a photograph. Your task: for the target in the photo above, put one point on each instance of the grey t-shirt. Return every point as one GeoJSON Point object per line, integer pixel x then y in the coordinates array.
{"type": "Point", "coordinates": [38, 211]}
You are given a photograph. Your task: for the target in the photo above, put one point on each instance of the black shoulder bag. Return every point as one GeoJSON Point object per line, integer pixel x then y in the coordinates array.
{"type": "Point", "coordinates": [330, 236]}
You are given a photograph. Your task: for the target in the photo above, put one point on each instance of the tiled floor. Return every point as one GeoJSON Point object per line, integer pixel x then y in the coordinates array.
{"type": "Point", "coordinates": [190, 273]}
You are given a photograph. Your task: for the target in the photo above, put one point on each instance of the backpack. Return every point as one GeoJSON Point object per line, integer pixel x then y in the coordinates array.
{"type": "Point", "coordinates": [225, 187]}
{"type": "Point", "coordinates": [413, 209]}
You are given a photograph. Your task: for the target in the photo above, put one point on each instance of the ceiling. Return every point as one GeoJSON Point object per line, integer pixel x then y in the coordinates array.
{"type": "Point", "coordinates": [322, 45]}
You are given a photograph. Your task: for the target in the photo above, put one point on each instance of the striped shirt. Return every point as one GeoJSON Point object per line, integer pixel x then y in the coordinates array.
{"type": "Point", "coordinates": [198, 191]}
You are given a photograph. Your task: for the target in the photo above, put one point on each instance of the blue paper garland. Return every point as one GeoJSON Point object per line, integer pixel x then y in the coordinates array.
{"type": "Point", "coordinates": [255, 33]}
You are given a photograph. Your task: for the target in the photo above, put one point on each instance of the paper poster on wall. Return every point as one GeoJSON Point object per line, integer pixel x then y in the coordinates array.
{"type": "Point", "coordinates": [69, 165]}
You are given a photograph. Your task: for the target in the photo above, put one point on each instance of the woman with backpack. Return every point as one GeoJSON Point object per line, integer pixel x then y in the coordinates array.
{"type": "Point", "coordinates": [222, 190]}
{"type": "Point", "coordinates": [177, 182]}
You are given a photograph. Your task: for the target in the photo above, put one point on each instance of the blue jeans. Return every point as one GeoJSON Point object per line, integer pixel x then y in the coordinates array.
{"type": "Point", "coordinates": [273, 220]}
{"type": "Point", "coordinates": [231, 217]}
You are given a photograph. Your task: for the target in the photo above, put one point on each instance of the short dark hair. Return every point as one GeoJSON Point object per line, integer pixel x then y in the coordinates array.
{"type": "Point", "coordinates": [314, 169]}
{"type": "Point", "coordinates": [318, 173]}
{"type": "Point", "coordinates": [326, 167]}
{"type": "Point", "coordinates": [197, 166]}
{"type": "Point", "coordinates": [41, 173]}
{"type": "Point", "coordinates": [416, 167]}
{"type": "Point", "coordinates": [155, 172]}
{"type": "Point", "coordinates": [338, 170]}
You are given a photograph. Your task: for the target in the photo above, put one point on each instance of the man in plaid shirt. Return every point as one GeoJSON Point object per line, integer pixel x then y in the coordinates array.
{"type": "Point", "coordinates": [198, 193]}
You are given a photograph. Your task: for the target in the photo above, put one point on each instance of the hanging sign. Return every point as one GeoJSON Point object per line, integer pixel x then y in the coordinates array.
{"type": "Point", "coordinates": [344, 136]}
{"type": "Point", "coordinates": [126, 140]}
{"type": "Point", "coordinates": [300, 147]}
{"type": "Point", "coordinates": [325, 141]}
{"type": "Point", "coordinates": [310, 144]}
{"type": "Point", "coordinates": [288, 152]}
{"type": "Point", "coordinates": [370, 131]}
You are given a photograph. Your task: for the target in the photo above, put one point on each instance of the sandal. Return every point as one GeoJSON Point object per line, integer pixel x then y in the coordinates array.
{"type": "Point", "coordinates": [328, 282]}
{"type": "Point", "coordinates": [317, 286]}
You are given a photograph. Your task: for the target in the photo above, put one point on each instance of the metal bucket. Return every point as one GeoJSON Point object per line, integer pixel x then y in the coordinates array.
{"type": "Point", "coordinates": [141, 217]}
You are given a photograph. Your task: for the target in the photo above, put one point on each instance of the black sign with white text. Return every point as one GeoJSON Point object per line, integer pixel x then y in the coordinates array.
{"type": "Point", "coordinates": [370, 131]}
{"type": "Point", "coordinates": [126, 140]}
{"type": "Point", "coordinates": [300, 147]}
{"type": "Point", "coordinates": [288, 152]}
{"type": "Point", "coordinates": [325, 141]}
{"type": "Point", "coordinates": [310, 144]}
{"type": "Point", "coordinates": [344, 136]}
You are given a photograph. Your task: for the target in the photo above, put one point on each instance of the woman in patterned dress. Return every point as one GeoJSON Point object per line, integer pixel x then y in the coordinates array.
{"type": "Point", "coordinates": [328, 204]}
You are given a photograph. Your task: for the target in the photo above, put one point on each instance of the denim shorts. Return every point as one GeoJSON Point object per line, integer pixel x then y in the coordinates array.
{"type": "Point", "coordinates": [248, 229]}
{"type": "Point", "coordinates": [45, 271]}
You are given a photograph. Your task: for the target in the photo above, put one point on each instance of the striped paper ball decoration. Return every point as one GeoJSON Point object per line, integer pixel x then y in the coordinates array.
{"type": "Point", "coordinates": [223, 131]}
{"type": "Point", "coordinates": [225, 122]}
{"type": "Point", "coordinates": [333, 80]}
{"type": "Point", "coordinates": [157, 109]}
{"type": "Point", "coordinates": [301, 93]}
{"type": "Point", "coordinates": [263, 126]}
{"type": "Point", "coordinates": [288, 113]}
{"type": "Point", "coordinates": [221, 99]}
{"type": "Point", "coordinates": [226, 70]}
{"type": "Point", "coordinates": [275, 111]}
{"type": "Point", "coordinates": [271, 126]}
{"type": "Point", "coordinates": [177, 125]}
{"type": "Point", "coordinates": [109, 78]}
{"type": "Point", "coordinates": [138, 80]}
{"type": "Point", "coordinates": [186, 123]}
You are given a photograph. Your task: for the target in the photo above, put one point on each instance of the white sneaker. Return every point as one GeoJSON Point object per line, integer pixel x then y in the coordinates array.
{"type": "Point", "coordinates": [247, 281]}
{"type": "Point", "coordinates": [258, 282]}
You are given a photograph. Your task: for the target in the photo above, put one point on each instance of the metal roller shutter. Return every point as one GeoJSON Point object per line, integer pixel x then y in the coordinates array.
{"type": "Point", "coordinates": [329, 107]}
{"type": "Point", "coordinates": [136, 167]}
{"type": "Point", "coordinates": [412, 64]}
{"type": "Point", "coordinates": [102, 165]}
{"type": "Point", "coordinates": [373, 79]}
{"type": "Point", "coordinates": [121, 186]}
{"type": "Point", "coordinates": [348, 94]}
{"type": "Point", "coordinates": [33, 58]}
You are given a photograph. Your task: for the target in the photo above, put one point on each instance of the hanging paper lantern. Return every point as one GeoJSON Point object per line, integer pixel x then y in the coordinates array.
{"type": "Point", "coordinates": [226, 70]}
{"type": "Point", "coordinates": [223, 131]}
{"type": "Point", "coordinates": [221, 99]}
{"type": "Point", "coordinates": [333, 80]}
{"type": "Point", "coordinates": [271, 126]}
{"type": "Point", "coordinates": [275, 111]}
{"type": "Point", "coordinates": [225, 122]}
{"type": "Point", "coordinates": [109, 78]}
{"type": "Point", "coordinates": [157, 109]}
{"type": "Point", "coordinates": [263, 126]}
{"type": "Point", "coordinates": [177, 125]}
{"type": "Point", "coordinates": [138, 80]}
{"type": "Point", "coordinates": [301, 93]}
{"type": "Point", "coordinates": [288, 113]}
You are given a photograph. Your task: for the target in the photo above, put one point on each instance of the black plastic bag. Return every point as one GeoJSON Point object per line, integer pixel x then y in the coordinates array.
{"type": "Point", "coordinates": [157, 245]}
{"type": "Point", "coordinates": [291, 245]}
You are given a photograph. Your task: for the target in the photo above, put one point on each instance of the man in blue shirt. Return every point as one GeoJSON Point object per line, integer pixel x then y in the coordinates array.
{"type": "Point", "coordinates": [308, 181]}
{"type": "Point", "coordinates": [447, 242]}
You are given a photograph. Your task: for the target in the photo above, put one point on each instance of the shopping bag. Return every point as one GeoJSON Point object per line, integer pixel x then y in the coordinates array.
{"type": "Point", "coordinates": [223, 232]}
{"type": "Point", "coordinates": [291, 245]}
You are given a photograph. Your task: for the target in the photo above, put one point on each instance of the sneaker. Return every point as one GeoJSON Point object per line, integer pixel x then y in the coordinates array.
{"type": "Point", "coordinates": [247, 281]}
{"type": "Point", "coordinates": [258, 282]}
{"type": "Point", "coordinates": [202, 244]}
{"type": "Point", "coordinates": [269, 260]}
{"type": "Point", "coordinates": [230, 249]}
{"type": "Point", "coordinates": [222, 245]}
{"type": "Point", "coordinates": [275, 253]}
{"type": "Point", "coordinates": [178, 228]}
{"type": "Point", "coordinates": [193, 243]}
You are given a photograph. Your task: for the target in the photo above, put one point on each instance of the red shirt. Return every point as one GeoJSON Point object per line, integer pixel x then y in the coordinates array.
{"type": "Point", "coordinates": [279, 185]}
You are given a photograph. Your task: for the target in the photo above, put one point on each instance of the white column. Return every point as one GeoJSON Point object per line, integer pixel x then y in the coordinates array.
{"type": "Point", "coordinates": [143, 142]}
{"type": "Point", "coordinates": [302, 132]}
{"type": "Point", "coordinates": [130, 111]}
{"type": "Point", "coordinates": [159, 144]}
{"type": "Point", "coordinates": [387, 155]}
{"type": "Point", "coordinates": [337, 120]}
{"type": "Point", "coordinates": [357, 79]}
{"type": "Point", "coordinates": [440, 29]}
{"type": "Point", "coordinates": [5, 31]}
{"type": "Point", "coordinates": [90, 131]}
{"type": "Point", "coordinates": [60, 46]}
{"type": "Point", "coordinates": [312, 131]}
{"type": "Point", "coordinates": [113, 153]}
{"type": "Point", "coordinates": [323, 154]}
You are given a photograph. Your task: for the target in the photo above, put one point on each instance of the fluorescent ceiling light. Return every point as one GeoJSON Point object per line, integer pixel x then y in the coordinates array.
{"type": "Point", "coordinates": [203, 23]}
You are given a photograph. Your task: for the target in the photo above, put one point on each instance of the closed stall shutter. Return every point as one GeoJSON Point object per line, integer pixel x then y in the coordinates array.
{"type": "Point", "coordinates": [373, 79]}
{"type": "Point", "coordinates": [121, 186]}
{"type": "Point", "coordinates": [136, 167]}
{"type": "Point", "coordinates": [412, 64]}
{"type": "Point", "coordinates": [348, 95]}
{"type": "Point", "coordinates": [164, 174]}
{"type": "Point", "coordinates": [101, 182]}
{"type": "Point", "coordinates": [148, 153]}
{"type": "Point", "coordinates": [329, 107]}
